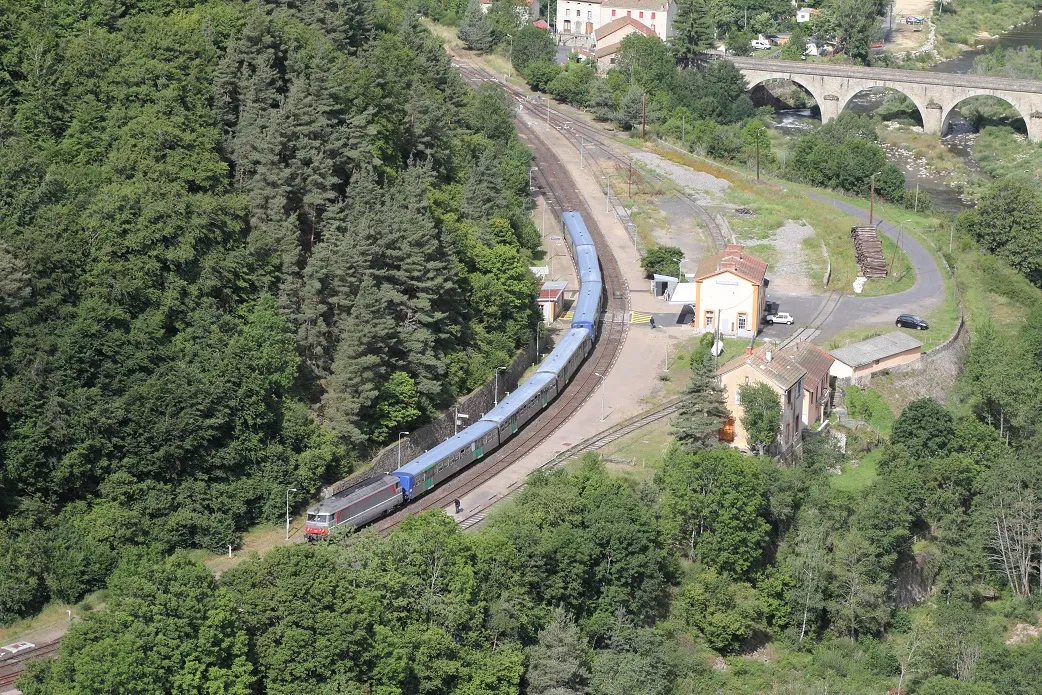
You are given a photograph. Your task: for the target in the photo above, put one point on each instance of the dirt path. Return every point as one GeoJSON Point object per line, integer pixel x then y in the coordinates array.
{"type": "Point", "coordinates": [904, 36]}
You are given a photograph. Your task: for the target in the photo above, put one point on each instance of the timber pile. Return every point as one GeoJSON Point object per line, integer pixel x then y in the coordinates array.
{"type": "Point", "coordinates": [869, 252]}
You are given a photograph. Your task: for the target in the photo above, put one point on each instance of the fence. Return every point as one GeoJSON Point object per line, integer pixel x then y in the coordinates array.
{"type": "Point", "coordinates": [475, 405]}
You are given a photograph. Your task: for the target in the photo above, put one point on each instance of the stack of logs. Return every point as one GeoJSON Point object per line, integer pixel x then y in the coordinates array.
{"type": "Point", "coordinates": [868, 252]}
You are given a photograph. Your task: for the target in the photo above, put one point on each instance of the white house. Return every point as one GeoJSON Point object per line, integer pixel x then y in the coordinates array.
{"type": "Point", "coordinates": [578, 16]}
{"type": "Point", "coordinates": [731, 292]}
{"type": "Point", "coordinates": [805, 14]}
{"type": "Point", "coordinates": [584, 17]}
{"type": "Point", "coordinates": [657, 15]}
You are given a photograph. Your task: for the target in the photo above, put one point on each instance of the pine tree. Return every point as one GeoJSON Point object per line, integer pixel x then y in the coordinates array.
{"type": "Point", "coordinates": [475, 30]}
{"type": "Point", "coordinates": [360, 368]}
{"type": "Point", "coordinates": [694, 31]}
{"type": "Point", "coordinates": [702, 410]}
{"type": "Point", "coordinates": [557, 662]}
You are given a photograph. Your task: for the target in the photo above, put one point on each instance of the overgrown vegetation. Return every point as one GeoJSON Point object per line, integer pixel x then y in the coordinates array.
{"type": "Point", "coordinates": [242, 244]}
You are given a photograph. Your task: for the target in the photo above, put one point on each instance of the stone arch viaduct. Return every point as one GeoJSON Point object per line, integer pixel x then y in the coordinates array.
{"type": "Point", "coordinates": [935, 94]}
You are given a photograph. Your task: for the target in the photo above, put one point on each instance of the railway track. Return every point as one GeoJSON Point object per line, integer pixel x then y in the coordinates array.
{"type": "Point", "coordinates": [597, 441]}
{"type": "Point", "coordinates": [813, 327]}
{"type": "Point", "coordinates": [591, 138]}
{"type": "Point", "coordinates": [11, 669]}
{"type": "Point", "coordinates": [554, 178]}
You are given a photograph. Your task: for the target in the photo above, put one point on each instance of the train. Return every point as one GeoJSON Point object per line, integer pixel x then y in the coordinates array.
{"type": "Point", "coordinates": [375, 497]}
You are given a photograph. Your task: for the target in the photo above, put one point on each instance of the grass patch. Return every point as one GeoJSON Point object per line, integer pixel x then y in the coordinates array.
{"type": "Point", "coordinates": [766, 252]}
{"type": "Point", "coordinates": [857, 476]}
{"type": "Point", "coordinates": [1001, 152]}
{"type": "Point", "coordinates": [644, 448]}
{"type": "Point", "coordinates": [965, 21]}
{"type": "Point", "coordinates": [868, 406]}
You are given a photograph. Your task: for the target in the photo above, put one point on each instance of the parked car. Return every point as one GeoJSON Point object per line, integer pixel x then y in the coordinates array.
{"type": "Point", "coordinates": [780, 317]}
{"type": "Point", "coordinates": [760, 44]}
{"type": "Point", "coordinates": [912, 19]}
{"type": "Point", "coordinates": [911, 321]}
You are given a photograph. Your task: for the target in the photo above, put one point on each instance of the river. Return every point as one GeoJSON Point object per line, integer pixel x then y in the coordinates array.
{"type": "Point", "coordinates": [959, 140]}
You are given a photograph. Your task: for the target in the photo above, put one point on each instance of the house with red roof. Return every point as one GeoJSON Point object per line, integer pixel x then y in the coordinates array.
{"type": "Point", "coordinates": [731, 292]}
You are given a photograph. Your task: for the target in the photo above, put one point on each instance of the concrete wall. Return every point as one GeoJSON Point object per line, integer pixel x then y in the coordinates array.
{"type": "Point", "coordinates": [423, 438]}
{"type": "Point", "coordinates": [933, 376]}
{"type": "Point", "coordinates": [735, 379]}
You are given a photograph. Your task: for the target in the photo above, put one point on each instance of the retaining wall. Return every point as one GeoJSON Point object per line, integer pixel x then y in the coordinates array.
{"type": "Point", "coordinates": [475, 405]}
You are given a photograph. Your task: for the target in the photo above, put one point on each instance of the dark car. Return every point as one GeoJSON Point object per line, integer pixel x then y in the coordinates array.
{"type": "Point", "coordinates": [911, 321]}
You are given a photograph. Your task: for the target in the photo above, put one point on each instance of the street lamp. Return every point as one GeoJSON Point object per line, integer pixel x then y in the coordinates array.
{"type": "Point", "coordinates": [598, 374]}
{"type": "Point", "coordinates": [496, 398]}
{"type": "Point", "coordinates": [456, 415]}
{"type": "Point", "coordinates": [288, 490]}
{"type": "Point", "coordinates": [400, 435]}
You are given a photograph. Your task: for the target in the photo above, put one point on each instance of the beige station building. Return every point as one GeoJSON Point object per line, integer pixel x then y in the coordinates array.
{"type": "Point", "coordinates": [731, 292]}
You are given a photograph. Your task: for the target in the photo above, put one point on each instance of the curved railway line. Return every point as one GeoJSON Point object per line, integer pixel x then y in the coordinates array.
{"type": "Point", "coordinates": [592, 138]}
{"type": "Point", "coordinates": [553, 177]}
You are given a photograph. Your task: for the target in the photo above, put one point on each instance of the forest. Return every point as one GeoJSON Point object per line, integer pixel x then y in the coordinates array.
{"type": "Point", "coordinates": [242, 243]}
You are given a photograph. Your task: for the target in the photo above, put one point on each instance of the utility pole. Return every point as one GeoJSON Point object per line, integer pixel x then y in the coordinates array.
{"type": "Point", "coordinates": [607, 194]}
{"type": "Point", "coordinates": [897, 247]}
{"type": "Point", "coordinates": [510, 58]}
{"type": "Point", "coordinates": [598, 374]}
{"type": "Point", "coordinates": [629, 180]}
{"type": "Point", "coordinates": [758, 154]}
{"type": "Point", "coordinates": [872, 198]}
{"type": "Point", "coordinates": [915, 208]}
{"type": "Point", "coordinates": [683, 130]}
{"type": "Point", "coordinates": [643, 114]}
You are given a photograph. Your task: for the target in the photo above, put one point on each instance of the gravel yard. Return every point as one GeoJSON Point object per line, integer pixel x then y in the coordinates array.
{"type": "Point", "coordinates": [790, 270]}
{"type": "Point", "coordinates": [705, 188]}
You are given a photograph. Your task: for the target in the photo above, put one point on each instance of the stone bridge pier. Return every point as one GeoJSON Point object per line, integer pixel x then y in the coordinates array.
{"type": "Point", "coordinates": [936, 95]}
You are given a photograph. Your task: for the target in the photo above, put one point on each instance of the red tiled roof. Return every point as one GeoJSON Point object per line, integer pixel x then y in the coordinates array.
{"type": "Point", "coordinates": [780, 369]}
{"type": "Point", "coordinates": [735, 260]}
{"type": "Point", "coordinates": [540, 24]}
{"type": "Point", "coordinates": [618, 23]}
{"type": "Point", "coordinates": [812, 358]}
{"type": "Point", "coordinates": [549, 295]}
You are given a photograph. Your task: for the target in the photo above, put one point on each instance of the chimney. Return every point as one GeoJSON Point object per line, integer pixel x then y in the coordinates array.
{"type": "Point", "coordinates": [767, 357]}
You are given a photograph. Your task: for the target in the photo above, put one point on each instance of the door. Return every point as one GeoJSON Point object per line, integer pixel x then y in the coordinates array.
{"type": "Point", "coordinates": [476, 448]}
{"type": "Point", "coordinates": [589, 27]}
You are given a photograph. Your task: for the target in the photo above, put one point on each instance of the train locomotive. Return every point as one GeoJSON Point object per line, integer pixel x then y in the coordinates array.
{"type": "Point", "coordinates": [377, 496]}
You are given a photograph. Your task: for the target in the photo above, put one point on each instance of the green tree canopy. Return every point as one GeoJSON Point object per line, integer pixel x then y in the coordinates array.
{"type": "Point", "coordinates": [761, 414]}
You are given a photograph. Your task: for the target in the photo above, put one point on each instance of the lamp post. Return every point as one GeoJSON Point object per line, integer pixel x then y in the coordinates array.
{"type": "Point", "coordinates": [400, 435]}
{"type": "Point", "coordinates": [496, 398]}
{"type": "Point", "coordinates": [598, 374]}
{"type": "Point", "coordinates": [288, 490]}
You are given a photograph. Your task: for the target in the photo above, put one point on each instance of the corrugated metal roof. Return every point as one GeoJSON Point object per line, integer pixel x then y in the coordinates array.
{"type": "Point", "coordinates": [880, 347]}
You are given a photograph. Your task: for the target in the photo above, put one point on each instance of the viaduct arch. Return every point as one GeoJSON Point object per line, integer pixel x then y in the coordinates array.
{"type": "Point", "coordinates": [935, 94]}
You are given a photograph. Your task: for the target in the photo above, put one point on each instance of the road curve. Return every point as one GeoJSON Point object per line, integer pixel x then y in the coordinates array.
{"type": "Point", "coordinates": [925, 294]}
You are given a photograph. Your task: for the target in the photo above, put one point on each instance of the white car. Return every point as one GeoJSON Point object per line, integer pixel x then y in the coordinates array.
{"type": "Point", "coordinates": [780, 317]}
{"type": "Point", "coordinates": [761, 44]}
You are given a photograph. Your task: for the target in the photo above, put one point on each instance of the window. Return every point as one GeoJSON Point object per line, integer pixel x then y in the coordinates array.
{"type": "Point", "coordinates": [567, 27]}
{"type": "Point", "coordinates": [567, 13]}
{"type": "Point", "coordinates": [788, 397]}
{"type": "Point", "coordinates": [641, 15]}
{"type": "Point", "coordinates": [709, 319]}
{"type": "Point", "coordinates": [613, 13]}
{"type": "Point", "coordinates": [589, 16]}
{"type": "Point", "coordinates": [737, 397]}
{"type": "Point", "coordinates": [628, 13]}
{"type": "Point", "coordinates": [786, 440]}
{"type": "Point", "coordinates": [653, 15]}
{"type": "Point", "coordinates": [743, 321]}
